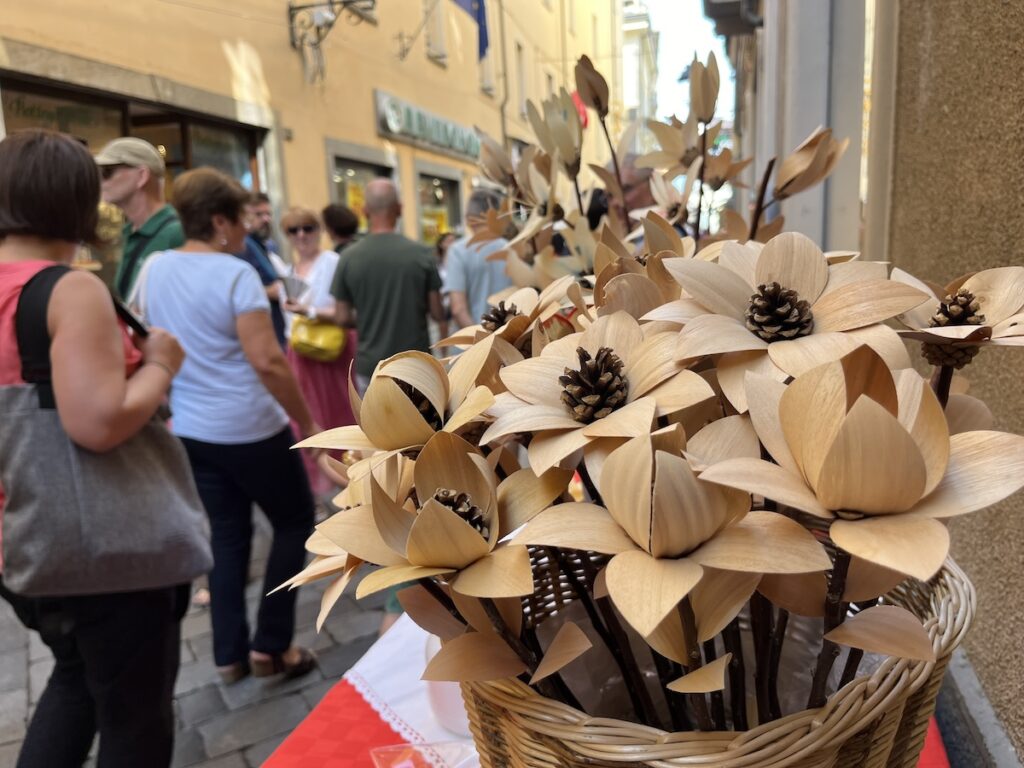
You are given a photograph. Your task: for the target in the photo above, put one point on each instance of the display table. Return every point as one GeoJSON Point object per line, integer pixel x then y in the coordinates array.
{"type": "Point", "coordinates": [382, 701]}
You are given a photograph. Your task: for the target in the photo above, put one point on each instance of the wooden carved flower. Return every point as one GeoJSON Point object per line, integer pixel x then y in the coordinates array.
{"type": "Point", "coordinates": [410, 397]}
{"type": "Point", "coordinates": [664, 526]}
{"type": "Point", "coordinates": [870, 450]}
{"type": "Point", "coordinates": [558, 130]}
{"type": "Point", "coordinates": [720, 169]}
{"type": "Point", "coordinates": [495, 162]}
{"type": "Point", "coordinates": [679, 144]}
{"type": "Point", "coordinates": [449, 526]}
{"type": "Point", "coordinates": [592, 86]}
{"type": "Point", "coordinates": [783, 309]}
{"type": "Point", "coordinates": [809, 164]}
{"type": "Point", "coordinates": [607, 382]}
{"type": "Point", "coordinates": [704, 84]}
{"type": "Point", "coordinates": [985, 308]}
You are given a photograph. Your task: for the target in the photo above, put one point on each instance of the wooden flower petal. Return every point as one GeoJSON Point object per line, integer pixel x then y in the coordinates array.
{"type": "Point", "coordinates": [445, 463]}
{"type": "Point", "coordinates": [523, 494]}
{"type": "Point", "coordinates": [685, 511]}
{"type": "Point", "coordinates": [392, 520]}
{"type": "Point", "coordinates": [793, 261]}
{"type": "Point", "coordinates": [474, 656]}
{"type": "Point", "coordinates": [873, 465]}
{"type": "Point", "coordinates": [917, 317]}
{"type": "Point", "coordinates": [645, 590]}
{"type": "Point", "coordinates": [390, 420]}
{"type": "Point", "coordinates": [668, 638]}
{"type": "Point", "coordinates": [715, 334]}
{"type": "Point", "coordinates": [505, 572]}
{"type": "Point", "coordinates": [799, 356]}
{"type": "Point", "coordinates": [439, 538]}
{"type": "Point", "coordinates": [708, 678]}
{"type": "Point", "coordinates": [351, 438]}
{"type": "Point", "coordinates": [867, 374]}
{"type": "Point", "coordinates": [574, 525]}
{"type": "Point", "coordinates": [732, 369]}
{"type": "Point", "coordinates": [812, 410]}
{"type": "Point", "coordinates": [866, 580]}
{"type": "Point", "coordinates": [680, 311]}
{"type": "Point", "coordinates": [764, 542]}
{"type": "Point", "coordinates": [886, 629]}
{"type": "Point", "coordinates": [984, 468]}
{"type": "Point", "coordinates": [536, 380]}
{"type": "Point", "coordinates": [799, 593]}
{"type": "Point", "coordinates": [964, 413]}
{"type": "Point", "coordinates": [864, 303]}
{"type": "Point", "coordinates": [740, 258]}
{"type": "Point", "coordinates": [764, 395]}
{"type": "Point", "coordinates": [356, 532]}
{"type": "Point", "coordinates": [476, 402]}
{"type": "Point", "coordinates": [619, 332]}
{"type": "Point", "coordinates": [421, 371]}
{"type": "Point", "coordinates": [717, 288]}
{"type": "Point", "coordinates": [626, 475]}
{"type": "Point", "coordinates": [730, 438]}
{"type": "Point", "coordinates": [332, 594]}
{"type": "Point", "coordinates": [473, 611]}
{"type": "Point", "coordinates": [842, 274]}
{"type": "Point", "coordinates": [636, 295]}
{"type": "Point", "coordinates": [429, 614]}
{"type": "Point", "coordinates": [569, 644]}
{"type": "Point", "coordinates": [923, 417]}
{"type": "Point", "coordinates": [1000, 292]}
{"type": "Point", "coordinates": [915, 546]}
{"type": "Point", "coordinates": [682, 390]}
{"type": "Point", "coordinates": [532, 418]}
{"type": "Point", "coordinates": [768, 480]}
{"type": "Point", "coordinates": [383, 578]}
{"type": "Point", "coordinates": [629, 421]}
{"type": "Point", "coordinates": [547, 449]}
{"type": "Point", "coordinates": [653, 363]}
{"type": "Point", "coordinates": [718, 599]}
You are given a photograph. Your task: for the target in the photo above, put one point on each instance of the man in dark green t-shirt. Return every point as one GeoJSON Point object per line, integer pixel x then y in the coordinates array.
{"type": "Point", "coordinates": [385, 285]}
{"type": "Point", "coordinates": [133, 179]}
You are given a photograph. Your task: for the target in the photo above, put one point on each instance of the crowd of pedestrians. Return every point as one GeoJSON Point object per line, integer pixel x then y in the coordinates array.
{"type": "Point", "coordinates": [195, 344]}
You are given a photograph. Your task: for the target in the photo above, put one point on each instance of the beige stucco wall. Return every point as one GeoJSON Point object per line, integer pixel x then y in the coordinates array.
{"type": "Point", "coordinates": [956, 206]}
{"type": "Point", "coordinates": [237, 53]}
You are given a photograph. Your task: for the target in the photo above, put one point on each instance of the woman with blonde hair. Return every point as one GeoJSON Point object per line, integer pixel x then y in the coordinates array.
{"type": "Point", "coordinates": [324, 383]}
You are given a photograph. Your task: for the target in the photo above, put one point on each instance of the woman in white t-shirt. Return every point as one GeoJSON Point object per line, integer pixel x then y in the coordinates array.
{"type": "Point", "coordinates": [323, 384]}
{"type": "Point", "coordinates": [231, 404]}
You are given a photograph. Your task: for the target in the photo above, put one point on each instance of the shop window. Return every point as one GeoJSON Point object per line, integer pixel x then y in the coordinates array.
{"type": "Point", "coordinates": [350, 180]}
{"type": "Point", "coordinates": [93, 123]}
{"type": "Point", "coordinates": [225, 149]}
{"type": "Point", "coordinates": [440, 207]}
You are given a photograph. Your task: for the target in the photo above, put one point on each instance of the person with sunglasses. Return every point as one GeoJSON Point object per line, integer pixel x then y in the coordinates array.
{"type": "Point", "coordinates": [324, 384]}
{"type": "Point", "coordinates": [132, 178]}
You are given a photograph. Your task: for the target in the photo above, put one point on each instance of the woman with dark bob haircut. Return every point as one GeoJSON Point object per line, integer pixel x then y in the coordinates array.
{"type": "Point", "coordinates": [115, 655]}
{"type": "Point", "coordinates": [232, 402]}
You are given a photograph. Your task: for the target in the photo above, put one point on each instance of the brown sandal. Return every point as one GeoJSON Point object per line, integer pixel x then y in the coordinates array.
{"type": "Point", "coordinates": [232, 673]}
{"type": "Point", "coordinates": [276, 665]}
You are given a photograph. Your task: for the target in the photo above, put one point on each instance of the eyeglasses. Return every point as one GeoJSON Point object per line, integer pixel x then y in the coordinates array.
{"type": "Point", "coordinates": [106, 171]}
{"type": "Point", "coordinates": [307, 228]}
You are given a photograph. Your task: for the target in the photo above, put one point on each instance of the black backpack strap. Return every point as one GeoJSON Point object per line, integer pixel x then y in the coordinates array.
{"type": "Point", "coordinates": [31, 331]}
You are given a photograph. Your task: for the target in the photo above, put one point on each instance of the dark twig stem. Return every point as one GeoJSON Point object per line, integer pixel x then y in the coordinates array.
{"type": "Point", "coordinates": [774, 659]}
{"type": "Point", "coordinates": [588, 483]}
{"type": "Point", "coordinates": [760, 207]}
{"type": "Point", "coordinates": [942, 380]}
{"type": "Point", "coordinates": [853, 660]}
{"type": "Point", "coordinates": [618, 171]}
{"type": "Point", "coordinates": [717, 700]}
{"type": "Point", "coordinates": [676, 702]}
{"type": "Point", "coordinates": [438, 594]}
{"type": "Point", "coordinates": [761, 627]}
{"type": "Point", "coordinates": [834, 609]}
{"type": "Point", "coordinates": [737, 675]}
{"type": "Point", "coordinates": [579, 195]}
{"type": "Point", "coordinates": [693, 663]}
{"type": "Point", "coordinates": [700, 181]}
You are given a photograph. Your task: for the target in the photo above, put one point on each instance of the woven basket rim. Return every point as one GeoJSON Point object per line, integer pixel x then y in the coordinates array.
{"type": "Point", "coordinates": [950, 605]}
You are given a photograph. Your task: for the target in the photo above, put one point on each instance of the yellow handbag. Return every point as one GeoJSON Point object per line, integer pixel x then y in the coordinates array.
{"type": "Point", "coordinates": [317, 339]}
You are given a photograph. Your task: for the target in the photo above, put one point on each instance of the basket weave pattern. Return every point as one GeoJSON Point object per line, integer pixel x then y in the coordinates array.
{"type": "Point", "coordinates": [876, 721]}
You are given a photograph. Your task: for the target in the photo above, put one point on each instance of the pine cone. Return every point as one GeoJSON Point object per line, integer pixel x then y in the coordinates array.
{"type": "Point", "coordinates": [423, 405]}
{"type": "Point", "coordinates": [497, 316]}
{"type": "Point", "coordinates": [462, 505]}
{"type": "Point", "coordinates": [960, 308]}
{"type": "Point", "coordinates": [597, 388]}
{"type": "Point", "coordinates": [777, 314]}
{"type": "Point", "coordinates": [950, 355]}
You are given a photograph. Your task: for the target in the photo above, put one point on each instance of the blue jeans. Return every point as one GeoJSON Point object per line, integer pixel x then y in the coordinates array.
{"type": "Point", "coordinates": [230, 479]}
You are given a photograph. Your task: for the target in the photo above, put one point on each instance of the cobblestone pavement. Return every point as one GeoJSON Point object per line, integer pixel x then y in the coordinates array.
{"type": "Point", "coordinates": [219, 726]}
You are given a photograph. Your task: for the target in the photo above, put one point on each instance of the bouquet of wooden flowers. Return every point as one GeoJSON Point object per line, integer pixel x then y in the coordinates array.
{"type": "Point", "coordinates": [673, 477]}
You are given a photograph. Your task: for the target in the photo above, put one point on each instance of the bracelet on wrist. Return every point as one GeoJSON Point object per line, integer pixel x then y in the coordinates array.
{"type": "Point", "coordinates": [161, 365]}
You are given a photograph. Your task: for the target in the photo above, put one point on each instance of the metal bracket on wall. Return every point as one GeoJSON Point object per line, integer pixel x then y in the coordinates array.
{"type": "Point", "coordinates": [310, 23]}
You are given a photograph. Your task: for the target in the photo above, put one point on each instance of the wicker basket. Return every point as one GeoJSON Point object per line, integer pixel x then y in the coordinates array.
{"type": "Point", "coordinates": [874, 721]}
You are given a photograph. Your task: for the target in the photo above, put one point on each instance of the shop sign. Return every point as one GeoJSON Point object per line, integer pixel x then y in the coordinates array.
{"type": "Point", "coordinates": [402, 121]}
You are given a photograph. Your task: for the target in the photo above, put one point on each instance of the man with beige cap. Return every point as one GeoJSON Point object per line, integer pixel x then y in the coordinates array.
{"type": "Point", "coordinates": [132, 173]}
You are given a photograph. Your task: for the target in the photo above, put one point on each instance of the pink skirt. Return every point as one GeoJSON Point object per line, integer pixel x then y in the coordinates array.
{"type": "Point", "coordinates": [325, 387]}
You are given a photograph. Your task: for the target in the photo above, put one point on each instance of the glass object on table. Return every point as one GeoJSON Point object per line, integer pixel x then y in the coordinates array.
{"type": "Point", "coordinates": [448, 754]}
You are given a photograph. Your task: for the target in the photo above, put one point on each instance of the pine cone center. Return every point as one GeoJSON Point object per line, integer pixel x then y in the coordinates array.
{"type": "Point", "coordinates": [960, 308]}
{"type": "Point", "coordinates": [778, 314]}
{"type": "Point", "coordinates": [462, 505]}
{"type": "Point", "coordinates": [423, 405]}
{"type": "Point", "coordinates": [498, 316]}
{"type": "Point", "coordinates": [597, 388]}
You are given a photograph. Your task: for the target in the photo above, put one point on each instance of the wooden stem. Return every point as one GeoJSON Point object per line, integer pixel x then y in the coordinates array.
{"type": "Point", "coordinates": [697, 700]}
{"type": "Point", "coordinates": [700, 181]}
{"type": "Point", "coordinates": [774, 659]}
{"type": "Point", "coordinates": [761, 626]}
{"type": "Point", "coordinates": [833, 618]}
{"type": "Point", "coordinates": [588, 483]}
{"type": "Point", "coordinates": [759, 209]}
{"type": "Point", "coordinates": [737, 675]}
{"type": "Point", "coordinates": [941, 382]}
{"type": "Point", "coordinates": [618, 172]}
{"type": "Point", "coordinates": [717, 699]}
{"type": "Point", "coordinates": [438, 594]}
{"type": "Point", "coordinates": [853, 660]}
{"type": "Point", "coordinates": [676, 702]}
{"type": "Point", "coordinates": [579, 195]}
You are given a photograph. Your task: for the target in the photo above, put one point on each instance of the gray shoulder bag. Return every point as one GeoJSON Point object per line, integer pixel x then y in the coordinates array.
{"type": "Point", "coordinates": [77, 522]}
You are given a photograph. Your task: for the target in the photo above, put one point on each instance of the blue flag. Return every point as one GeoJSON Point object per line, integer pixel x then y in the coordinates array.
{"type": "Point", "coordinates": [476, 9]}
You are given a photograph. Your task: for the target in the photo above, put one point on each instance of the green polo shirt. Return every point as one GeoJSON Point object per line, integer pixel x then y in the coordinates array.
{"type": "Point", "coordinates": [162, 231]}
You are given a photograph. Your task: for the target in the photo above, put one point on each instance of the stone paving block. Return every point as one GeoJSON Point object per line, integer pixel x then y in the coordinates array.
{"type": "Point", "coordinates": [202, 646]}
{"type": "Point", "coordinates": [257, 755]}
{"type": "Point", "coordinates": [188, 749]}
{"type": "Point", "coordinates": [185, 654]}
{"type": "Point", "coordinates": [317, 641]}
{"type": "Point", "coordinates": [14, 670]}
{"type": "Point", "coordinates": [250, 689]}
{"type": "Point", "coordinates": [38, 674]}
{"type": "Point", "coordinates": [336, 661]}
{"type": "Point", "coordinates": [9, 755]}
{"type": "Point", "coordinates": [348, 626]}
{"type": "Point", "coordinates": [195, 675]}
{"type": "Point", "coordinates": [234, 760]}
{"type": "Point", "coordinates": [200, 705]}
{"type": "Point", "coordinates": [246, 727]}
{"type": "Point", "coordinates": [13, 714]}
{"type": "Point", "coordinates": [314, 693]}
{"type": "Point", "coordinates": [195, 624]}
{"type": "Point", "coordinates": [37, 649]}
